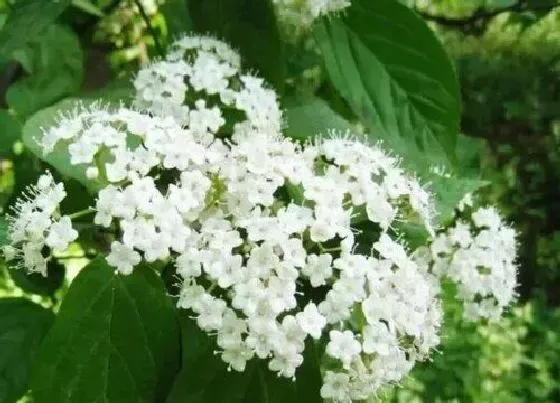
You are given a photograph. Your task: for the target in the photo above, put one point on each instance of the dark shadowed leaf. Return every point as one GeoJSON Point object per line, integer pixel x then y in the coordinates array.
{"type": "Point", "coordinates": [23, 325]}
{"type": "Point", "coordinates": [177, 17]}
{"type": "Point", "coordinates": [36, 283]}
{"type": "Point", "coordinates": [115, 340]}
{"type": "Point", "coordinates": [204, 377]}
{"type": "Point", "coordinates": [250, 27]}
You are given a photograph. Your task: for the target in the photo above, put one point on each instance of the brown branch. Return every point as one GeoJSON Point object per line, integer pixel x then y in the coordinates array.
{"type": "Point", "coordinates": [482, 16]}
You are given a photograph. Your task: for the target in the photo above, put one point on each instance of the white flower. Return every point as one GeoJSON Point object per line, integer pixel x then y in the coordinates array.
{"type": "Point", "coordinates": [311, 321]}
{"type": "Point", "coordinates": [487, 218]}
{"type": "Point", "coordinates": [336, 386]}
{"type": "Point", "coordinates": [205, 65]}
{"type": "Point", "coordinates": [189, 263]}
{"type": "Point", "coordinates": [123, 258]}
{"type": "Point", "coordinates": [343, 346]}
{"type": "Point", "coordinates": [479, 256]}
{"type": "Point", "coordinates": [204, 180]}
{"type": "Point", "coordinates": [61, 234]}
{"type": "Point", "coordinates": [318, 269]}
{"type": "Point", "coordinates": [378, 339]}
{"type": "Point", "coordinates": [237, 356]}
{"type": "Point", "coordinates": [36, 223]}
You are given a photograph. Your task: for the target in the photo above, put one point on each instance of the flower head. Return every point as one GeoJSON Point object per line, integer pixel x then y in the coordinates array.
{"type": "Point", "coordinates": [478, 253]}
{"type": "Point", "coordinates": [199, 68]}
{"type": "Point", "coordinates": [36, 224]}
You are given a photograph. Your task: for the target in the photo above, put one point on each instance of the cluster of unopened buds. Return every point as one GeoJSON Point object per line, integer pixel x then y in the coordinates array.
{"type": "Point", "coordinates": [273, 241]}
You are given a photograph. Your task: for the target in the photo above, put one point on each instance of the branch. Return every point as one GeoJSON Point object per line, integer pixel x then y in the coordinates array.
{"type": "Point", "coordinates": [483, 16]}
{"type": "Point", "coordinates": [151, 29]}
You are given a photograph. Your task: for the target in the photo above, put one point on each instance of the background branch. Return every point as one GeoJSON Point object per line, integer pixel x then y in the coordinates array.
{"type": "Point", "coordinates": [153, 33]}
{"type": "Point", "coordinates": [482, 15]}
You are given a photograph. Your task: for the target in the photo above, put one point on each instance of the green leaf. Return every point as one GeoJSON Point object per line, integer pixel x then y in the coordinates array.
{"type": "Point", "coordinates": [115, 339]}
{"type": "Point", "coordinates": [449, 191]}
{"type": "Point", "coordinates": [177, 17]}
{"type": "Point", "coordinates": [249, 26]}
{"type": "Point", "coordinates": [308, 375]}
{"type": "Point", "coordinates": [57, 72]}
{"type": "Point", "coordinates": [59, 157]}
{"type": "Point", "coordinates": [310, 117]}
{"type": "Point", "coordinates": [118, 91]}
{"type": "Point", "coordinates": [3, 232]}
{"type": "Point", "coordinates": [470, 154]}
{"type": "Point", "coordinates": [395, 75]}
{"type": "Point", "coordinates": [415, 235]}
{"type": "Point", "coordinates": [36, 283]}
{"type": "Point", "coordinates": [23, 325]}
{"type": "Point", "coordinates": [10, 132]}
{"type": "Point", "coordinates": [88, 7]}
{"type": "Point", "coordinates": [204, 377]}
{"type": "Point", "coordinates": [27, 21]}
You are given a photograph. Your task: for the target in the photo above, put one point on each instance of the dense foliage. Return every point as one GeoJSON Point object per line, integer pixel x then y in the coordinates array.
{"type": "Point", "coordinates": [81, 81]}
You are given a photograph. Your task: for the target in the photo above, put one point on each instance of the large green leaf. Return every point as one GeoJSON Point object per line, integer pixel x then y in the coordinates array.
{"type": "Point", "coordinates": [23, 325]}
{"type": "Point", "coordinates": [27, 21]}
{"type": "Point", "coordinates": [249, 26]}
{"type": "Point", "coordinates": [395, 75]}
{"type": "Point", "coordinates": [204, 377]}
{"type": "Point", "coordinates": [57, 69]}
{"type": "Point", "coordinates": [116, 339]}
{"type": "Point", "coordinates": [309, 117]}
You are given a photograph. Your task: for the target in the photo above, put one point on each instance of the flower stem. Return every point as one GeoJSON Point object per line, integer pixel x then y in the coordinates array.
{"type": "Point", "coordinates": [323, 249]}
{"type": "Point", "coordinates": [81, 213]}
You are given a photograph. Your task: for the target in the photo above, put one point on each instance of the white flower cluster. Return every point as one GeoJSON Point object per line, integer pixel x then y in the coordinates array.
{"type": "Point", "coordinates": [273, 241]}
{"type": "Point", "coordinates": [36, 224]}
{"type": "Point", "coordinates": [302, 13]}
{"type": "Point", "coordinates": [254, 253]}
{"type": "Point", "coordinates": [200, 84]}
{"type": "Point", "coordinates": [478, 253]}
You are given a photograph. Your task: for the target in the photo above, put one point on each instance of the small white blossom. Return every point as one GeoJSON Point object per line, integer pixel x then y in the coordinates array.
{"type": "Point", "coordinates": [311, 321]}
{"type": "Point", "coordinates": [343, 346]}
{"type": "Point", "coordinates": [123, 258]}
{"type": "Point", "coordinates": [61, 234]}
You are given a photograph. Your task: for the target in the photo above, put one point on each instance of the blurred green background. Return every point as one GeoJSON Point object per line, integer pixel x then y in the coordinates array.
{"type": "Point", "coordinates": [507, 54]}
